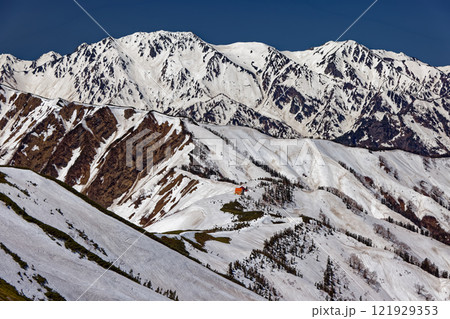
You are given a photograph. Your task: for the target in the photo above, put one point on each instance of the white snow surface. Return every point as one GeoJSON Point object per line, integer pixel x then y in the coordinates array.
{"type": "Point", "coordinates": [71, 276]}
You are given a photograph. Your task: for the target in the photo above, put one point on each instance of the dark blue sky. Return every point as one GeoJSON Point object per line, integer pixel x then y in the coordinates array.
{"type": "Point", "coordinates": [420, 28]}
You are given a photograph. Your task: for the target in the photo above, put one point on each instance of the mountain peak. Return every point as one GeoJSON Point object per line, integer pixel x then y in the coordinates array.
{"type": "Point", "coordinates": [47, 57]}
{"type": "Point", "coordinates": [143, 36]}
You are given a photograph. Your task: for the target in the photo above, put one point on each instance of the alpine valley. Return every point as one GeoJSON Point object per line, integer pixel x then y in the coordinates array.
{"type": "Point", "coordinates": [121, 162]}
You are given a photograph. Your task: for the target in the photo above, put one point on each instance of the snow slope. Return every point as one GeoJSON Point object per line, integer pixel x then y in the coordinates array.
{"type": "Point", "coordinates": [108, 238]}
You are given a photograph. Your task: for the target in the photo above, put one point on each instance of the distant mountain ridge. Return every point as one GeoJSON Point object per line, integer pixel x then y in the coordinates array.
{"type": "Point", "coordinates": [339, 91]}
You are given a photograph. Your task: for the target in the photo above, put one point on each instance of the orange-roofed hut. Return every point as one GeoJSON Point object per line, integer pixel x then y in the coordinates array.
{"type": "Point", "coordinates": [240, 190]}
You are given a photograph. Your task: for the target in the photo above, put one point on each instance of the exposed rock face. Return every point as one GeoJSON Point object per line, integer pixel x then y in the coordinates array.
{"type": "Point", "coordinates": [339, 91]}
{"type": "Point", "coordinates": [86, 146]}
{"type": "Point", "coordinates": [435, 229]}
{"type": "Point", "coordinates": [115, 178]}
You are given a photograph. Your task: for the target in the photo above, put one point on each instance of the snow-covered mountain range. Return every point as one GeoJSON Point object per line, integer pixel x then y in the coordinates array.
{"type": "Point", "coordinates": [320, 220]}
{"type": "Point", "coordinates": [339, 91]}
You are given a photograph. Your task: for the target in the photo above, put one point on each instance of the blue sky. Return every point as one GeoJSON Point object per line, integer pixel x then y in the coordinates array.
{"type": "Point", "coordinates": [417, 27]}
